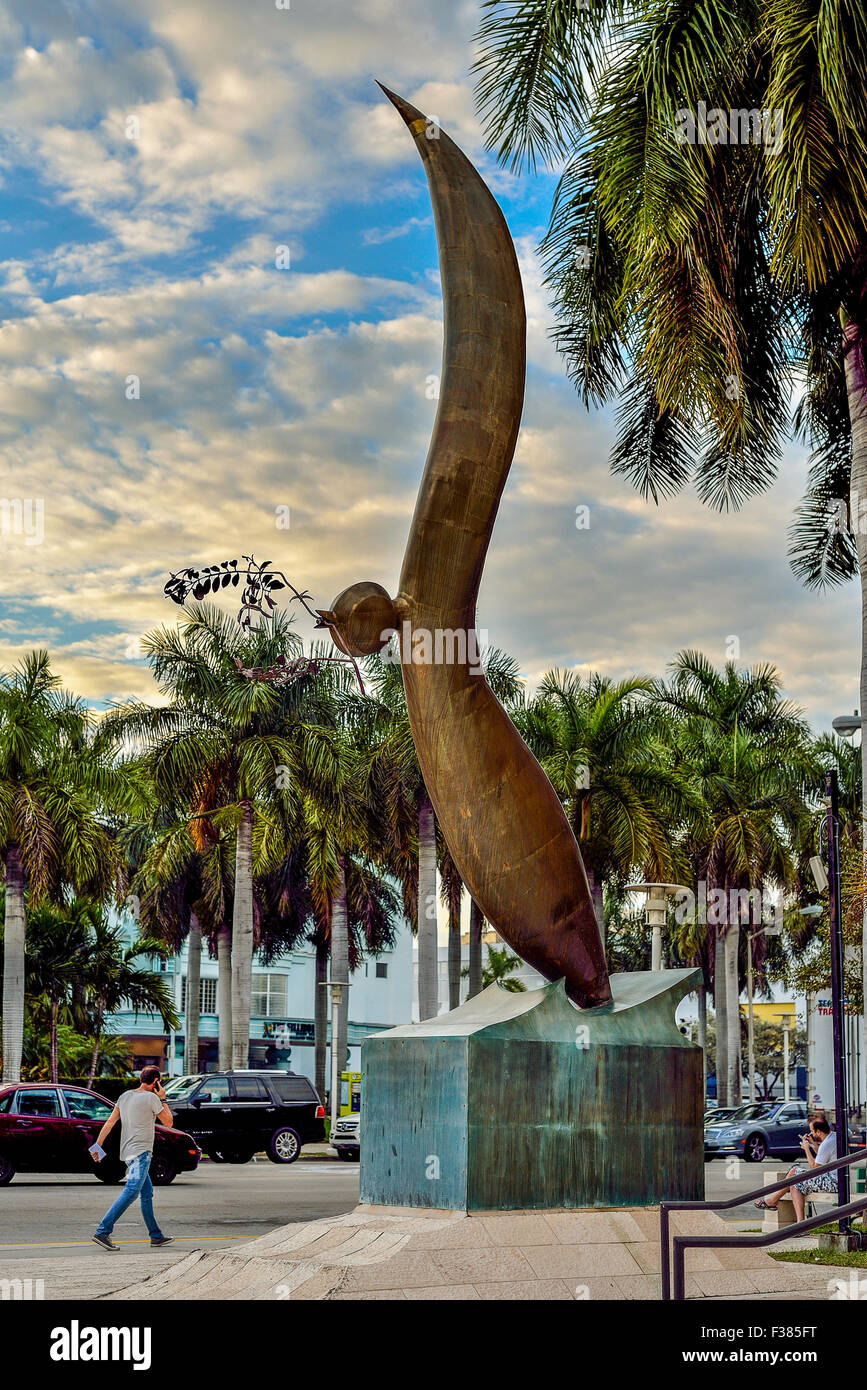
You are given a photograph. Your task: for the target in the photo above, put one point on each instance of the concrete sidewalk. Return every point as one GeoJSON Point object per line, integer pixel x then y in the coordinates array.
{"type": "Point", "coordinates": [408, 1253]}
{"type": "Point", "coordinates": [87, 1276]}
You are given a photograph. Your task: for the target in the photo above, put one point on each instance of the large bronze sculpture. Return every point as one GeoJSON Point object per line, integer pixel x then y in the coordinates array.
{"type": "Point", "coordinates": [498, 812]}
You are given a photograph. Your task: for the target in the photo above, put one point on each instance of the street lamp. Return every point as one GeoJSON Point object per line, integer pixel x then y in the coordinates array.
{"type": "Point", "coordinates": [785, 1024]}
{"type": "Point", "coordinates": [655, 910]}
{"type": "Point", "coordinates": [832, 881]}
{"type": "Point", "coordinates": [751, 1034]}
{"type": "Point", "coordinates": [847, 724]}
{"type": "Point", "coordinates": [337, 987]}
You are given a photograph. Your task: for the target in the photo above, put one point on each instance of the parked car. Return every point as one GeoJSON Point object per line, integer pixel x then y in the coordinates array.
{"type": "Point", "coordinates": [49, 1129]}
{"type": "Point", "coordinates": [756, 1130]}
{"type": "Point", "coordinates": [719, 1112]}
{"type": "Point", "coordinates": [234, 1114]}
{"type": "Point", "coordinates": [346, 1136]}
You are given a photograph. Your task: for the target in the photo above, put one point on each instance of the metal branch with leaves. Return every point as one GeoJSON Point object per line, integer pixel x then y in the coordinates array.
{"type": "Point", "coordinates": [260, 582]}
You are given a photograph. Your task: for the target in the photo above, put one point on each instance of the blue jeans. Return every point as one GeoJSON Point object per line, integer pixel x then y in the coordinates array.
{"type": "Point", "coordinates": [138, 1184]}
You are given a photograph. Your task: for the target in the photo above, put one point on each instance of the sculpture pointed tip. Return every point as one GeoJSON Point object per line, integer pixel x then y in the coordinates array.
{"type": "Point", "coordinates": [409, 112]}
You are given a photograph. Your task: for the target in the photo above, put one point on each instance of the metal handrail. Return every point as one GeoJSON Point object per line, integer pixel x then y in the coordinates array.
{"type": "Point", "coordinates": [680, 1242]}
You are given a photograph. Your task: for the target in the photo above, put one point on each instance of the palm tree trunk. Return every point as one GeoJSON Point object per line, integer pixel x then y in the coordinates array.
{"type": "Point", "coordinates": [428, 954]}
{"type": "Point", "coordinates": [340, 966]}
{"type": "Point", "coordinates": [13, 967]}
{"type": "Point", "coordinates": [597, 893]}
{"type": "Point", "coordinates": [856, 390]}
{"type": "Point", "coordinates": [733, 1013]}
{"type": "Point", "coordinates": [719, 1002]}
{"type": "Point", "coordinates": [97, 1039]}
{"type": "Point", "coordinates": [224, 995]}
{"type": "Point", "coordinates": [455, 946]}
{"type": "Point", "coordinates": [52, 1041]}
{"type": "Point", "coordinates": [477, 927]}
{"type": "Point", "coordinates": [191, 1012]}
{"type": "Point", "coordinates": [242, 939]}
{"type": "Point", "coordinates": [320, 1015]}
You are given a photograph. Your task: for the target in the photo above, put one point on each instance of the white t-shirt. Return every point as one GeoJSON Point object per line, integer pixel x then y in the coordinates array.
{"type": "Point", "coordinates": [827, 1150]}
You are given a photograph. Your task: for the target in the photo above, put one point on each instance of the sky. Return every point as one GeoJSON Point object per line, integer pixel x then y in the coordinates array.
{"type": "Point", "coordinates": [219, 300]}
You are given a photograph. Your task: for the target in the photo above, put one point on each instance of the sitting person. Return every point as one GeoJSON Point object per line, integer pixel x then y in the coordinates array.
{"type": "Point", "coordinates": [820, 1146]}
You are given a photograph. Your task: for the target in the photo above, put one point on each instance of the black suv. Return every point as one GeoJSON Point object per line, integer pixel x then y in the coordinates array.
{"type": "Point", "coordinates": [234, 1114]}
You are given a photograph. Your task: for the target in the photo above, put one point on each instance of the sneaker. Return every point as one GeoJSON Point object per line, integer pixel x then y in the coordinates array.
{"type": "Point", "coordinates": [163, 1240]}
{"type": "Point", "coordinates": [105, 1241]}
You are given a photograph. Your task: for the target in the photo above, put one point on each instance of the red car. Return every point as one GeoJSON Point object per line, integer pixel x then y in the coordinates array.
{"type": "Point", "coordinates": [49, 1129]}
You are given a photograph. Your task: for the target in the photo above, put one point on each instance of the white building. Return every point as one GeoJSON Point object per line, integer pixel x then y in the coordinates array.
{"type": "Point", "coordinates": [281, 1021]}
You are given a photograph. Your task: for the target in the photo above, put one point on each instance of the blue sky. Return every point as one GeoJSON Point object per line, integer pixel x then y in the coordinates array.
{"type": "Point", "coordinates": [153, 157]}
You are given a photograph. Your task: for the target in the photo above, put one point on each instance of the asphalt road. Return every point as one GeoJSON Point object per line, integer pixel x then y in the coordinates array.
{"type": "Point", "coordinates": [44, 1215]}
{"type": "Point", "coordinates": [745, 1177]}
{"type": "Point", "coordinates": [220, 1203]}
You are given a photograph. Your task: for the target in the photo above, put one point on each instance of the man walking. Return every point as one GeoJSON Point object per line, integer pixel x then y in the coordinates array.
{"type": "Point", "coordinates": [138, 1112]}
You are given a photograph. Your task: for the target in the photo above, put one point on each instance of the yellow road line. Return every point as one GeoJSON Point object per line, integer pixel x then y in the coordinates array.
{"type": "Point", "coordinates": [61, 1244]}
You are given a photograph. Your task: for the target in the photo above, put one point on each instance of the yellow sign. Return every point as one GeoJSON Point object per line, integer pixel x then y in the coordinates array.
{"type": "Point", "coordinates": [770, 1013]}
{"type": "Point", "coordinates": [350, 1092]}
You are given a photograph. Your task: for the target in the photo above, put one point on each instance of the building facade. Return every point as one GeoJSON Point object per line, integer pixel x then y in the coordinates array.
{"type": "Point", "coordinates": [281, 1018]}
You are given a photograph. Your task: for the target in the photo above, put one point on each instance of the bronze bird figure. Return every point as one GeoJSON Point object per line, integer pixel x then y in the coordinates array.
{"type": "Point", "coordinates": [499, 814]}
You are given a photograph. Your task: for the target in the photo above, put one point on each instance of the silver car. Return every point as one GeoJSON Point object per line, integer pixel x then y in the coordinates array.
{"type": "Point", "coordinates": [756, 1130]}
{"type": "Point", "coordinates": [346, 1137]}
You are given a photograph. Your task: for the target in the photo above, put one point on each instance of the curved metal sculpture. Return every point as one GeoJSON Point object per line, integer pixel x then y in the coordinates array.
{"type": "Point", "coordinates": [498, 812]}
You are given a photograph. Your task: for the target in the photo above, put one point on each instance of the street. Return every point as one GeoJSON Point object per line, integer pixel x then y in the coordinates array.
{"type": "Point", "coordinates": [221, 1203]}
{"type": "Point", "coordinates": [46, 1216]}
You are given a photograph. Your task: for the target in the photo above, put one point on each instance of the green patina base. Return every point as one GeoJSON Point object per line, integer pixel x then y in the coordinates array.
{"type": "Point", "coordinates": [521, 1101]}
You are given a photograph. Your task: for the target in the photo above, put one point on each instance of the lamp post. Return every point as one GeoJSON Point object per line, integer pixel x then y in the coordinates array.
{"type": "Point", "coordinates": [836, 945]}
{"type": "Point", "coordinates": [751, 1033]}
{"type": "Point", "coordinates": [847, 725]}
{"type": "Point", "coordinates": [785, 1024]}
{"type": "Point", "coordinates": [655, 910]}
{"type": "Point", "coordinates": [337, 987]}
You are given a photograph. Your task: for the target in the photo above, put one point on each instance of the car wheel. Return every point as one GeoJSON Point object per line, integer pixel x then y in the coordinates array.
{"type": "Point", "coordinates": [348, 1155]}
{"type": "Point", "coordinates": [755, 1148]}
{"type": "Point", "coordinates": [109, 1172]}
{"type": "Point", "coordinates": [161, 1172]}
{"type": "Point", "coordinates": [216, 1156]}
{"type": "Point", "coordinates": [284, 1146]}
{"type": "Point", "coordinates": [239, 1156]}
{"type": "Point", "coordinates": [7, 1172]}
{"type": "Point", "coordinates": [709, 1158]}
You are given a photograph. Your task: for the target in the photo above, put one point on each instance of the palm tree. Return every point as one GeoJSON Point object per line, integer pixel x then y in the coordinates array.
{"type": "Point", "coordinates": [698, 258]}
{"type": "Point", "coordinates": [602, 743]}
{"type": "Point", "coordinates": [845, 759]}
{"type": "Point", "coordinates": [228, 744]}
{"type": "Point", "coordinates": [116, 974]}
{"type": "Point", "coordinates": [746, 750]}
{"type": "Point", "coordinates": [477, 929]}
{"type": "Point", "coordinates": [51, 833]}
{"type": "Point", "coordinates": [345, 846]}
{"type": "Point", "coordinates": [452, 892]}
{"type": "Point", "coordinates": [499, 969]}
{"type": "Point", "coordinates": [57, 952]}
{"type": "Point", "coordinates": [395, 781]}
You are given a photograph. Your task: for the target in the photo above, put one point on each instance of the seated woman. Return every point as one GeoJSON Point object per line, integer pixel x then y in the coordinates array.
{"type": "Point", "coordinates": [820, 1147]}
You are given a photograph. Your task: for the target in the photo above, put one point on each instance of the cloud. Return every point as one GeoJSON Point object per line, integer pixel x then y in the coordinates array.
{"type": "Point", "coordinates": [261, 388]}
